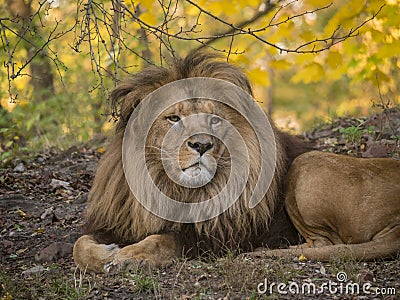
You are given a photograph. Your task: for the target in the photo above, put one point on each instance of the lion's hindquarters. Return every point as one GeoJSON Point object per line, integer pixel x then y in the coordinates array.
{"type": "Point", "coordinates": [92, 256]}
{"type": "Point", "coordinates": [344, 204]}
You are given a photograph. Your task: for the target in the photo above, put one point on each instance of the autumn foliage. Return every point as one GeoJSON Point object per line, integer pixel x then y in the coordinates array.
{"type": "Point", "coordinates": [308, 60]}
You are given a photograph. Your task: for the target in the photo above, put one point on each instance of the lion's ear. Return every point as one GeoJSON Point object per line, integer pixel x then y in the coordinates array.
{"type": "Point", "coordinates": [117, 99]}
{"type": "Point", "coordinates": [128, 94]}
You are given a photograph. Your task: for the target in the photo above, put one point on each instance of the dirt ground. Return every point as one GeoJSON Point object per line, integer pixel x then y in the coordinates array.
{"type": "Point", "coordinates": [42, 200]}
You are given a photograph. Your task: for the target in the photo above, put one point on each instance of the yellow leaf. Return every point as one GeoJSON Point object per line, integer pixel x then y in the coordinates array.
{"type": "Point", "coordinates": [304, 58]}
{"type": "Point", "coordinates": [259, 76]}
{"type": "Point", "coordinates": [148, 9]}
{"type": "Point", "coordinates": [192, 11]}
{"type": "Point", "coordinates": [281, 64]}
{"type": "Point", "coordinates": [7, 296]}
{"type": "Point", "coordinates": [242, 59]}
{"type": "Point", "coordinates": [336, 73]}
{"type": "Point", "coordinates": [302, 258]}
{"type": "Point", "coordinates": [244, 3]}
{"type": "Point", "coordinates": [345, 17]}
{"type": "Point", "coordinates": [386, 50]}
{"type": "Point", "coordinates": [222, 7]}
{"type": "Point", "coordinates": [148, 4]}
{"type": "Point", "coordinates": [317, 3]}
{"type": "Point", "coordinates": [101, 150]}
{"type": "Point", "coordinates": [307, 35]}
{"type": "Point", "coordinates": [20, 251]}
{"type": "Point", "coordinates": [21, 213]}
{"type": "Point", "coordinates": [354, 7]}
{"type": "Point", "coordinates": [312, 72]}
{"type": "Point", "coordinates": [149, 18]}
{"type": "Point", "coordinates": [333, 59]}
{"type": "Point", "coordinates": [135, 25]}
{"type": "Point", "coordinates": [374, 5]}
{"type": "Point", "coordinates": [286, 29]}
{"type": "Point", "coordinates": [39, 230]}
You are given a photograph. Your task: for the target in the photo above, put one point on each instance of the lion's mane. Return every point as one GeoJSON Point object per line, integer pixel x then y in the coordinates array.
{"type": "Point", "coordinates": [115, 216]}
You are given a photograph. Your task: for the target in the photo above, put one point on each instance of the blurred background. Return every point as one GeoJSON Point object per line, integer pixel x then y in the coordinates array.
{"type": "Point", "coordinates": [309, 61]}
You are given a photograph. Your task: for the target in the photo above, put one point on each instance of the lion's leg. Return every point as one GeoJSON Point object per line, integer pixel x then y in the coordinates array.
{"type": "Point", "coordinates": [313, 241]}
{"type": "Point", "coordinates": [385, 244]}
{"type": "Point", "coordinates": [92, 256]}
{"type": "Point", "coordinates": [308, 219]}
{"type": "Point", "coordinates": [312, 244]}
{"type": "Point", "coordinates": [154, 251]}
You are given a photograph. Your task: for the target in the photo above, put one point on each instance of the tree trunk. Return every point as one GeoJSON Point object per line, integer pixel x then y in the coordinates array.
{"type": "Point", "coordinates": [42, 78]}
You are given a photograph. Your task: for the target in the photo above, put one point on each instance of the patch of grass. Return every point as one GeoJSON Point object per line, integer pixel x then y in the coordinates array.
{"type": "Point", "coordinates": [48, 285]}
{"type": "Point", "coordinates": [66, 289]}
{"type": "Point", "coordinates": [63, 120]}
{"type": "Point", "coordinates": [142, 283]}
{"type": "Point", "coordinates": [353, 134]}
{"type": "Point", "coordinates": [350, 266]}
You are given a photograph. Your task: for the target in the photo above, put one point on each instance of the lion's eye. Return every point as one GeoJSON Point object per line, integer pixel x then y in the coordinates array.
{"type": "Point", "coordinates": [173, 118]}
{"type": "Point", "coordinates": [215, 120]}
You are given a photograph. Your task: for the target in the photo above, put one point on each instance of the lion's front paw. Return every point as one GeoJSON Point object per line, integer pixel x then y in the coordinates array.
{"type": "Point", "coordinates": [154, 251]}
{"type": "Point", "coordinates": [131, 265]}
{"type": "Point", "coordinates": [129, 262]}
{"type": "Point", "coordinates": [130, 258]}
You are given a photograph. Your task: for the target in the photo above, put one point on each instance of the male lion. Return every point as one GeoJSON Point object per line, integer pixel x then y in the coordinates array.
{"type": "Point", "coordinates": [120, 232]}
{"type": "Point", "coordinates": [344, 207]}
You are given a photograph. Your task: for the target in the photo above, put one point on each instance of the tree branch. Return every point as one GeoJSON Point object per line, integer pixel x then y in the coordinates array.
{"type": "Point", "coordinates": [268, 8]}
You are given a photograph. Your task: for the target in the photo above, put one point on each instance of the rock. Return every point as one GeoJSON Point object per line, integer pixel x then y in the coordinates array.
{"type": "Point", "coordinates": [322, 270]}
{"type": "Point", "coordinates": [18, 201]}
{"type": "Point", "coordinates": [12, 200]}
{"type": "Point", "coordinates": [55, 183]}
{"type": "Point", "coordinates": [34, 270]}
{"type": "Point", "coordinates": [65, 154]}
{"type": "Point", "coordinates": [54, 252]}
{"type": "Point", "coordinates": [47, 212]}
{"type": "Point", "coordinates": [81, 198]}
{"type": "Point", "coordinates": [366, 276]}
{"type": "Point", "coordinates": [7, 244]}
{"type": "Point", "coordinates": [19, 168]}
{"type": "Point", "coordinates": [375, 149]}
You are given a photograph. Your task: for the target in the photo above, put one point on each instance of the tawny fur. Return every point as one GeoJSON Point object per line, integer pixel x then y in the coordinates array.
{"type": "Point", "coordinates": [344, 207]}
{"type": "Point", "coordinates": [115, 216]}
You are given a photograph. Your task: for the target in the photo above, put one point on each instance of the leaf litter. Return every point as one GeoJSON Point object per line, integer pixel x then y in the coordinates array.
{"type": "Point", "coordinates": [42, 203]}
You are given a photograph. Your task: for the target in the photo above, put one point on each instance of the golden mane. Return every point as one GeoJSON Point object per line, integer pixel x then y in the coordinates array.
{"type": "Point", "coordinates": [115, 216]}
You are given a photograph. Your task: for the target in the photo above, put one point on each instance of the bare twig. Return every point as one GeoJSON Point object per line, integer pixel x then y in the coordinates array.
{"type": "Point", "coordinates": [106, 30]}
{"type": "Point", "coordinates": [26, 32]}
{"type": "Point", "coordinates": [268, 7]}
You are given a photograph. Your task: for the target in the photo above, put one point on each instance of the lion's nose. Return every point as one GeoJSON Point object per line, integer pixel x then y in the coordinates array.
{"type": "Point", "coordinates": [200, 147]}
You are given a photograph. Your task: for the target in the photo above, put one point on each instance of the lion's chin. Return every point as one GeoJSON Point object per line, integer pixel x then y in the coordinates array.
{"type": "Point", "coordinates": [196, 176]}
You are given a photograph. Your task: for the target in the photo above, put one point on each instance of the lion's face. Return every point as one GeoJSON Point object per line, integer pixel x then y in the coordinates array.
{"type": "Point", "coordinates": [185, 141]}
{"type": "Point", "coordinates": [193, 152]}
